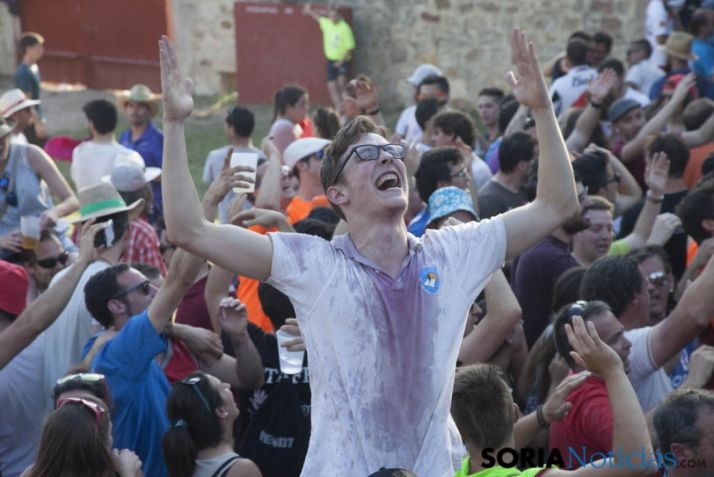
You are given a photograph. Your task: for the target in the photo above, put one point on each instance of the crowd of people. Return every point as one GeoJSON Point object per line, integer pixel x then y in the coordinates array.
{"type": "Point", "coordinates": [522, 289]}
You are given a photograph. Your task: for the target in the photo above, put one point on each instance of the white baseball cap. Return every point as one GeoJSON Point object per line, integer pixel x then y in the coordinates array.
{"type": "Point", "coordinates": [132, 160]}
{"type": "Point", "coordinates": [422, 72]}
{"type": "Point", "coordinates": [303, 148]}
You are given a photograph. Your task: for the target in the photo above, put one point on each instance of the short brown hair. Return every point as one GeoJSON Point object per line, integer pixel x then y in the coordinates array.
{"type": "Point", "coordinates": [28, 39]}
{"type": "Point", "coordinates": [457, 123]}
{"type": "Point", "coordinates": [345, 137]}
{"type": "Point", "coordinates": [482, 406]}
{"type": "Point", "coordinates": [599, 203]}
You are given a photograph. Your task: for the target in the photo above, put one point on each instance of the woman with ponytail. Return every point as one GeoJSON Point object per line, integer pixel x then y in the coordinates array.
{"type": "Point", "coordinates": [77, 441]}
{"type": "Point", "coordinates": [291, 105]}
{"type": "Point", "coordinates": [200, 441]}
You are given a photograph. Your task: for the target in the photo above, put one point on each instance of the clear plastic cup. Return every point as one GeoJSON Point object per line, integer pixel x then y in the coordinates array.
{"type": "Point", "coordinates": [290, 361]}
{"type": "Point", "coordinates": [30, 231]}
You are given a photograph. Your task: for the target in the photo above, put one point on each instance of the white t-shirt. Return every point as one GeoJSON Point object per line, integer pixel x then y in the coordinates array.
{"type": "Point", "coordinates": [407, 125]}
{"type": "Point", "coordinates": [382, 350]}
{"type": "Point", "coordinates": [65, 338]}
{"type": "Point", "coordinates": [23, 409]}
{"type": "Point", "coordinates": [480, 171]}
{"type": "Point", "coordinates": [651, 384]}
{"type": "Point", "coordinates": [567, 89]}
{"type": "Point", "coordinates": [91, 161]}
{"type": "Point", "coordinates": [657, 22]}
{"type": "Point", "coordinates": [644, 74]}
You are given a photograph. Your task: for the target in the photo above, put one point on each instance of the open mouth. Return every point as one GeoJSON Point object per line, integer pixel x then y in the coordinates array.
{"type": "Point", "coordinates": [388, 180]}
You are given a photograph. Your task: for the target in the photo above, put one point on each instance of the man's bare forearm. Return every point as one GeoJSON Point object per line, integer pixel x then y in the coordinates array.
{"type": "Point", "coordinates": [556, 186]}
{"type": "Point", "coordinates": [182, 209]}
{"type": "Point", "coordinates": [40, 314]}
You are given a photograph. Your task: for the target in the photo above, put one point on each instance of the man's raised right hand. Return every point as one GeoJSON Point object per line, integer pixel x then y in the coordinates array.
{"type": "Point", "coordinates": [176, 90]}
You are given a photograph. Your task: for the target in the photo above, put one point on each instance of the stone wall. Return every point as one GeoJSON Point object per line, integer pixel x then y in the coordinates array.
{"type": "Point", "coordinates": [7, 42]}
{"type": "Point", "coordinates": [468, 39]}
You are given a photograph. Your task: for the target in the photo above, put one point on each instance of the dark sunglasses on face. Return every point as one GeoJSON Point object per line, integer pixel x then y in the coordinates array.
{"type": "Point", "coordinates": [144, 287]}
{"type": "Point", "coordinates": [51, 262]}
{"type": "Point", "coordinates": [657, 278]}
{"type": "Point", "coordinates": [370, 152]}
{"type": "Point", "coordinates": [615, 178]}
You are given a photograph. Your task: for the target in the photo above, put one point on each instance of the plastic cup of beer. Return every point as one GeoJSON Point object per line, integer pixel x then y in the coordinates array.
{"type": "Point", "coordinates": [30, 231]}
{"type": "Point", "coordinates": [290, 361]}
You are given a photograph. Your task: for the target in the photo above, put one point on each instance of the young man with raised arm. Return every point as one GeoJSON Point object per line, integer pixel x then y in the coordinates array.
{"type": "Point", "coordinates": [382, 313]}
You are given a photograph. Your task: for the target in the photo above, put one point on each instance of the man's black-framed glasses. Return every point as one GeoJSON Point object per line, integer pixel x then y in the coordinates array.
{"type": "Point", "coordinates": [370, 152]}
{"type": "Point", "coordinates": [144, 287]}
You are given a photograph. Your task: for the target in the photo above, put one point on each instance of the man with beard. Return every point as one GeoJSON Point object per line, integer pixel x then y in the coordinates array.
{"type": "Point", "coordinates": [535, 271]}
{"type": "Point", "coordinates": [140, 106]}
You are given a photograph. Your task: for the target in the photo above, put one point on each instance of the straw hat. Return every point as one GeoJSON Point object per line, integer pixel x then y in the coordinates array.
{"type": "Point", "coordinates": [102, 200]}
{"type": "Point", "coordinates": [140, 93]}
{"type": "Point", "coordinates": [679, 45]}
{"type": "Point", "coordinates": [13, 101]}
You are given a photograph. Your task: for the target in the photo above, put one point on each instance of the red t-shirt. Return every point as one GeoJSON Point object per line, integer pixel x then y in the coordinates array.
{"type": "Point", "coordinates": [589, 424]}
{"type": "Point", "coordinates": [193, 310]}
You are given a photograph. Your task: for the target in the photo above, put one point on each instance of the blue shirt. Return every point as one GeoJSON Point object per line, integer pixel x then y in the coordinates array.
{"type": "Point", "coordinates": [151, 148]}
{"type": "Point", "coordinates": [704, 66]}
{"type": "Point", "coordinates": [139, 390]}
{"type": "Point", "coordinates": [417, 226]}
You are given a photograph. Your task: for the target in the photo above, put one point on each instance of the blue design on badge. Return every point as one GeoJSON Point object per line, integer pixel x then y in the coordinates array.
{"type": "Point", "coordinates": [429, 280]}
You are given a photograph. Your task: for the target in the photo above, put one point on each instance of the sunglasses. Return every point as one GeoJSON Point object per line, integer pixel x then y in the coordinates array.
{"type": "Point", "coordinates": [615, 178]}
{"type": "Point", "coordinates": [88, 377]}
{"type": "Point", "coordinates": [370, 152]}
{"type": "Point", "coordinates": [51, 262]}
{"type": "Point", "coordinates": [657, 279]}
{"type": "Point", "coordinates": [10, 198]}
{"type": "Point", "coordinates": [577, 308]}
{"type": "Point", "coordinates": [92, 406]}
{"type": "Point", "coordinates": [193, 383]}
{"type": "Point", "coordinates": [144, 287]}
{"type": "Point", "coordinates": [463, 173]}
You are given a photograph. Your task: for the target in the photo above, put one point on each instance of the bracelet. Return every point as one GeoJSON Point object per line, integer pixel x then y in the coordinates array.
{"type": "Point", "coordinates": [595, 105]}
{"type": "Point", "coordinates": [376, 111]}
{"type": "Point", "coordinates": [657, 199]}
{"type": "Point", "coordinates": [541, 417]}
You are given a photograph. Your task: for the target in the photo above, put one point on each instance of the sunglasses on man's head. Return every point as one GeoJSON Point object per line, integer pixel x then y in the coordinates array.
{"type": "Point", "coordinates": [92, 406]}
{"type": "Point", "coordinates": [577, 308]}
{"type": "Point", "coordinates": [144, 287]}
{"type": "Point", "coordinates": [88, 377]}
{"type": "Point", "coordinates": [370, 152]}
{"type": "Point", "coordinates": [51, 262]}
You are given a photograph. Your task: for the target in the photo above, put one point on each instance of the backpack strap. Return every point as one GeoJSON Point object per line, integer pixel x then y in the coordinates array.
{"type": "Point", "coordinates": [225, 467]}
